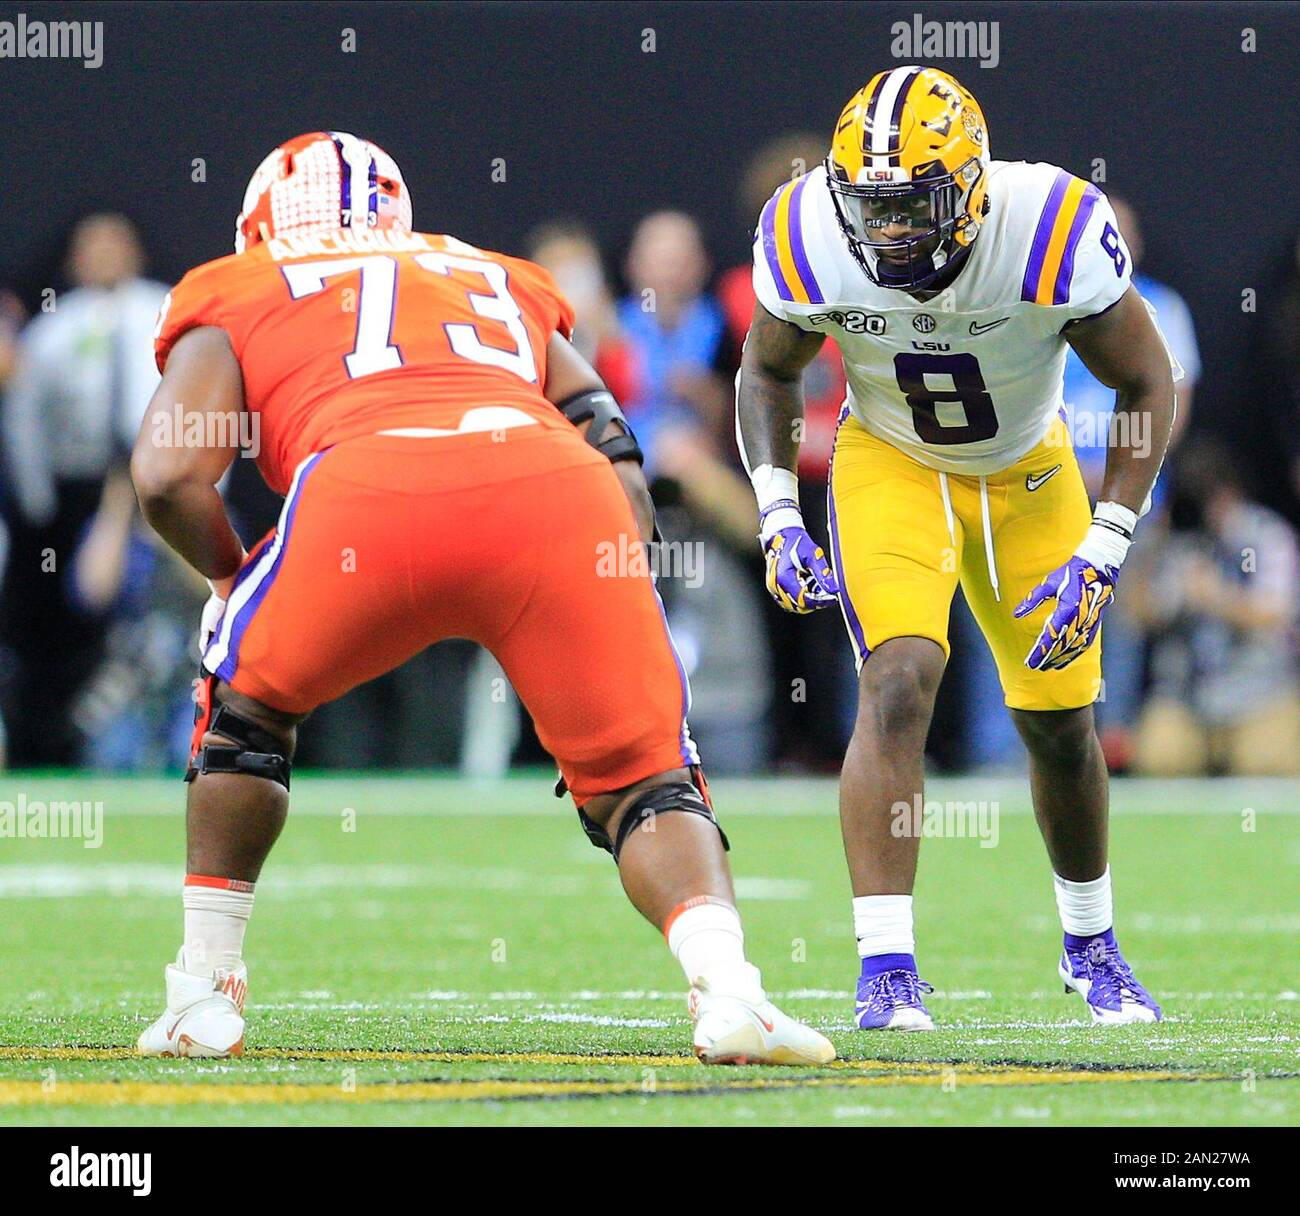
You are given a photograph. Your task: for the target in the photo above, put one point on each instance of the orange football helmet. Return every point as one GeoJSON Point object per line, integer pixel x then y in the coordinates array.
{"type": "Point", "coordinates": [321, 182]}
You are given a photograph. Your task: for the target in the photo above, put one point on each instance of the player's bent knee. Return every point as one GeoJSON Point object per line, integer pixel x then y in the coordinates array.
{"type": "Point", "coordinates": [685, 796]}
{"type": "Point", "coordinates": [1063, 738]}
{"type": "Point", "coordinates": [898, 687]}
{"type": "Point", "coordinates": [235, 734]}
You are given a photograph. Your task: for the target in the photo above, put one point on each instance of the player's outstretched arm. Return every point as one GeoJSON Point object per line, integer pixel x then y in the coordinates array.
{"type": "Point", "coordinates": [568, 375]}
{"type": "Point", "coordinates": [1125, 351]}
{"type": "Point", "coordinates": [175, 477]}
{"type": "Point", "coordinates": [769, 408]}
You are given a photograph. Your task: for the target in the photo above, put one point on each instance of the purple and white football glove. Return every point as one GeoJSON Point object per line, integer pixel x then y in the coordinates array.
{"type": "Point", "coordinates": [799, 574]}
{"type": "Point", "coordinates": [1081, 588]}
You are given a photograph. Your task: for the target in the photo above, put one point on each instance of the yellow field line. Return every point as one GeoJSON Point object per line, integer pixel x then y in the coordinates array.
{"type": "Point", "coordinates": [841, 1074]}
{"type": "Point", "coordinates": [400, 1056]}
{"type": "Point", "coordinates": [163, 1093]}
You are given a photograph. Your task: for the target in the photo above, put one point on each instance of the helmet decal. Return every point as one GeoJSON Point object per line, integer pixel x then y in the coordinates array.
{"type": "Point", "coordinates": [319, 182]}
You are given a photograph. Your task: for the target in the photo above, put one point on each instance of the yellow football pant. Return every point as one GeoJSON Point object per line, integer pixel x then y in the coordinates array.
{"type": "Point", "coordinates": [903, 534]}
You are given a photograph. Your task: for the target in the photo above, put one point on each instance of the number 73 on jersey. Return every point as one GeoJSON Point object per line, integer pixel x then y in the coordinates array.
{"type": "Point", "coordinates": [374, 350]}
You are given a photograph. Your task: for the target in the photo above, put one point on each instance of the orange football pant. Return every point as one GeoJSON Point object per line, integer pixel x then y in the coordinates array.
{"type": "Point", "coordinates": [521, 540]}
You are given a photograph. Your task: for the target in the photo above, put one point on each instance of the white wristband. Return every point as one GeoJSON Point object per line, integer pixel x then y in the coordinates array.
{"type": "Point", "coordinates": [1108, 539]}
{"type": "Point", "coordinates": [777, 492]}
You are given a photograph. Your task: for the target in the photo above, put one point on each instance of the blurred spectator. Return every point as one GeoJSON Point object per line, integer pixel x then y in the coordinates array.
{"type": "Point", "coordinates": [569, 251]}
{"type": "Point", "coordinates": [85, 371]}
{"type": "Point", "coordinates": [83, 377]}
{"type": "Point", "coordinates": [774, 164]}
{"type": "Point", "coordinates": [1123, 650]}
{"type": "Point", "coordinates": [1280, 379]}
{"type": "Point", "coordinates": [812, 649]}
{"type": "Point", "coordinates": [675, 334]}
{"type": "Point", "coordinates": [1218, 599]}
{"type": "Point", "coordinates": [12, 317]}
{"type": "Point", "coordinates": [679, 404]}
{"type": "Point", "coordinates": [134, 710]}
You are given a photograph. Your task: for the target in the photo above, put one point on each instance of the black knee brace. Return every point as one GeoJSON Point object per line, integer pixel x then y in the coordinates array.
{"type": "Point", "coordinates": [252, 750]}
{"type": "Point", "coordinates": [657, 800]}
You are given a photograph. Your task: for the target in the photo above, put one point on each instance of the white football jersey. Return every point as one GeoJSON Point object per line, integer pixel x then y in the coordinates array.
{"type": "Point", "coordinates": [970, 380]}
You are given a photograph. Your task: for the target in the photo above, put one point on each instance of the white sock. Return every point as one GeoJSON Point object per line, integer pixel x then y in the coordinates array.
{"type": "Point", "coordinates": [216, 915]}
{"type": "Point", "coordinates": [705, 937]}
{"type": "Point", "coordinates": [1086, 908]}
{"type": "Point", "coordinates": [883, 924]}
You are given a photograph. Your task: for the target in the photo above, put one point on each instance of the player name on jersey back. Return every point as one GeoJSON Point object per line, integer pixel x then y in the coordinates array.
{"type": "Point", "coordinates": [346, 240]}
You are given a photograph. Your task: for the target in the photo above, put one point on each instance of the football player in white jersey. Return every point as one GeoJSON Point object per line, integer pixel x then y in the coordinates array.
{"type": "Point", "coordinates": [952, 284]}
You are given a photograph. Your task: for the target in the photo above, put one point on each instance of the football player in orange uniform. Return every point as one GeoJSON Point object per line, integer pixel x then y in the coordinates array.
{"type": "Point", "coordinates": [451, 468]}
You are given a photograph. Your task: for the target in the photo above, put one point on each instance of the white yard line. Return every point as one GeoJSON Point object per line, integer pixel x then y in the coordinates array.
{"type": "Point", "coordinates": [62, 880]}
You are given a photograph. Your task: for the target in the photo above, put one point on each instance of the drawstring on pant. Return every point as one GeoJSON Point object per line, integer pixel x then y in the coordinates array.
{"type": "Point", "coordinates": [989, 558]}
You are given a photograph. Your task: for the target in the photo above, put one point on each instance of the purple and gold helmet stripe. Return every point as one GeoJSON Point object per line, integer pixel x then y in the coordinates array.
{"type": "Point", "coordinates": [781, 231]}
{"type": "Point", "coordinates": [1051, 255]}
{"type": "Point", "coordinates": [888, 100]}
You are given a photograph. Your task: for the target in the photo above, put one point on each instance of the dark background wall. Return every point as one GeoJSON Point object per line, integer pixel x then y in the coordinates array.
{"type": "Point", "coordinates": [1201, 136]}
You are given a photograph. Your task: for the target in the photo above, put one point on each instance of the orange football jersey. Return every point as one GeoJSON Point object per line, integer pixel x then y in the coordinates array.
{"type": "Point", "coordinates": [346, 334]}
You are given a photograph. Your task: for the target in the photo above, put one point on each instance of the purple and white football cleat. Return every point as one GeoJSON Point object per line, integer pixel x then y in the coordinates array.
{"type": "Point", "coordinates": [1095, 969]}
{"type": "Point", "coordinates": [890, 995]}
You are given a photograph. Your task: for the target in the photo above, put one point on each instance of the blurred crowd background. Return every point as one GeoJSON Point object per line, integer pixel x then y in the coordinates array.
{"type": "Point", "coordinates": [98, 622]}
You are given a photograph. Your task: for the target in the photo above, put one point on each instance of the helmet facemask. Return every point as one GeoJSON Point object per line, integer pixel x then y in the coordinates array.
{"type": "Point", "coordinates": [934, 208]}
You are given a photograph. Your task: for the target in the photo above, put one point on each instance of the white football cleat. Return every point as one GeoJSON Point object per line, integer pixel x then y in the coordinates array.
{"type": "Point", "coordinates": [741, 1026]}
{"type": "Point", "coordinates": [204, 1016]}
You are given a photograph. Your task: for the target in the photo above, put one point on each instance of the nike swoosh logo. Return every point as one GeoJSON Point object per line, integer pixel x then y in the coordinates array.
{"type": "Point", "coordinates": [172, 1031]}
{"type": "Point", "coordinates": [1034, 480]}
{"type": "Point", "coordinates": [976, 328]}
